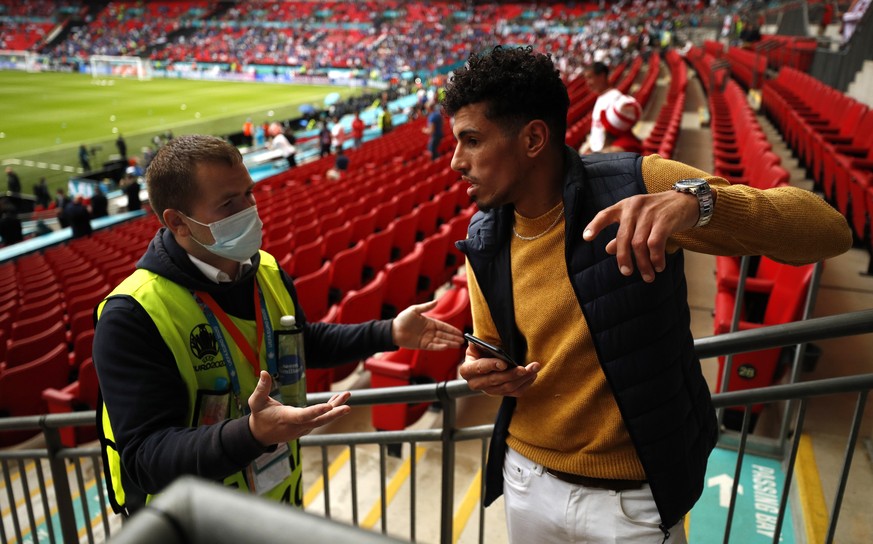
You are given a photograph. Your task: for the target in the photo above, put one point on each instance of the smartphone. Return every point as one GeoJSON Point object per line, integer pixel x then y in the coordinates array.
{"type": "Point", "coordinates": [491, 349]}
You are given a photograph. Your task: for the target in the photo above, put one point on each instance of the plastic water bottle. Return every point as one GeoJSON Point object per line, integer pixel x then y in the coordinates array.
{"type": "Point", "coordinates": [291, 361]}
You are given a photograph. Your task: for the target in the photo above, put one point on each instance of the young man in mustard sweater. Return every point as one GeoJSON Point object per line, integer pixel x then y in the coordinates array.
{"type": "Point", "coordinates": [576, 269]}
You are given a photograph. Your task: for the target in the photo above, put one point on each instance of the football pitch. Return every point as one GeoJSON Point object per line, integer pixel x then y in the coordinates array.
{"type": "Point", "coordinates": [45, 117]}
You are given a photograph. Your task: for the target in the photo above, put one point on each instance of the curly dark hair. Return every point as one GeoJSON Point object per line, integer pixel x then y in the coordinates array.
{"type": "Point", "coordinates": [517, 85]}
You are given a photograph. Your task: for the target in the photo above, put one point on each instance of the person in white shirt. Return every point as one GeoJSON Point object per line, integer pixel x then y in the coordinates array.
{"type": "Point", "coordinates": [281, 142]}
{"type": "Point", "coordinates": [597, 77]}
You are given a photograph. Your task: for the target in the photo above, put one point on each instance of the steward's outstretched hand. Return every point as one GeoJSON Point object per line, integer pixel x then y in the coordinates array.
{"type": "Point", "coordinates": [494, 376]}
{"type": "Point", "coordinates": [413, 330]}
{"type": "Point", "coordinates": [271, 422]}
{"type": "Point", "coordinates": [644, 224]}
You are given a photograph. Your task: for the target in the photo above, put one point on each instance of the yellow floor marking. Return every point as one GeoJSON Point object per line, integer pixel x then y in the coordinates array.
{"type": "Point", "coordinates": [34, 492]}
{"type": "Point", "coordinates": [468, 504]}
{"type": "Point", "coordinates": [40, 520]}
{"type": "Point", "coordinates": [392, 488]}
{"type": "Point", "coordinates": [812, 502]}
{"type": "Point", "coordinates": [315, 490]}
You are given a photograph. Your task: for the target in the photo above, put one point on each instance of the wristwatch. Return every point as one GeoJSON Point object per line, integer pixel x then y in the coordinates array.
{"type": "Point", "coordinates": [700, 188]}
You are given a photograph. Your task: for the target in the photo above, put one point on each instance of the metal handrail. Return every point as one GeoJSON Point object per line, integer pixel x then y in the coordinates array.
{"type": "Point", "coordinates": [448, 435]}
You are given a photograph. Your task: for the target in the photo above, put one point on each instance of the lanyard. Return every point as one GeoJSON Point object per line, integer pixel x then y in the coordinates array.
{"type": "Point", "coordinates": [214, 314]}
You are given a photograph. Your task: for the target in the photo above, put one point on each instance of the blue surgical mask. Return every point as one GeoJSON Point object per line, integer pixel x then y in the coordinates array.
{"type": "Point", "coordinates": [237, 237]}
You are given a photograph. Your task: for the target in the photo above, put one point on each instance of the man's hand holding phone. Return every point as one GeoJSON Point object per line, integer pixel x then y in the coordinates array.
{"type": "Point", "coordinates": [489, 369]}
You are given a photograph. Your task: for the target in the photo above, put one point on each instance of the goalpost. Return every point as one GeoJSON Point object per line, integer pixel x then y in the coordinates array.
{"type": "Point", "coordinates": [120, 66]}
{"type": "Point", "coordinates": [18, 60]}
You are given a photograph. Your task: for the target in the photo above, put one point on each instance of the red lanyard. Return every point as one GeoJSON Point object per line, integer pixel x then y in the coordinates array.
{"type": "Point", "coordinates": [238, 337]}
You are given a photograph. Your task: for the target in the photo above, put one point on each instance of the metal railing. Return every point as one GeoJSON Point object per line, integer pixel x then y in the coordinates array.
{"type": "Point", "coordinates": [61, 460]}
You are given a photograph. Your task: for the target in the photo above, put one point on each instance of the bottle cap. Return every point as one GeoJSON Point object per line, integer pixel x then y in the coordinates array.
{"type": "Point", "coordinates": [288, 321]}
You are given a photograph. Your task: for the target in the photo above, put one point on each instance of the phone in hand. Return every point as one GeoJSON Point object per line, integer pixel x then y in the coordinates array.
{"type": "Point", "coordinates": [492, 350]}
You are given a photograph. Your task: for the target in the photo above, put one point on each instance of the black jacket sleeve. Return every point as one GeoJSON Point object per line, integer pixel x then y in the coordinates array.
{"type": "Point", "coordinates": [147, 403]}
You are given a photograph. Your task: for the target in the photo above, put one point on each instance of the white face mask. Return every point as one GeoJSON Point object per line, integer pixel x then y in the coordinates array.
{"type": "Point", "coordinates": [237, 237]}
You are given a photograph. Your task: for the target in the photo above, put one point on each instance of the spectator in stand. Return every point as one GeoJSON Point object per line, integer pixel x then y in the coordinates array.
{"type": "Point", "coordinates": [618, 122]}
{"type": "Point", "coordinates": [324, 140]}
{"type": "Point", "coordinates": [83, 158]}
{"type": "Point", "coordinates": [79, 217]}
{"type": "Point", "coordinates": [386, 123]}
{"type": "Point", "coordinates": [337, 135]}
{"type": "Point", "coordinates": [10, 225]}
{"type": "Point", "coordinates": [13, 182]}
{"type": "Point", "coordinates": [41, 228]}
{"type": "Point", "coordinates": [61, 202]}
{"type": "Point", "coordinates": [41, 192]}
{"type": "Point", "coordinates": [248, 131]}
{"type": "Point", "coordinates": [358, 129]}
{"type": "Point", "coordinates": [597, 77]}
{"type": "Point", "coordinates": [99, 203]}
{"type": "Point", "coordinates": [434, 128]}
{"type": "Point", "coordinates": [281, 142]}
{"type": "Point", "coordinates": [121, 145]}
{"type": "Point", "coordinates": [130, 186]}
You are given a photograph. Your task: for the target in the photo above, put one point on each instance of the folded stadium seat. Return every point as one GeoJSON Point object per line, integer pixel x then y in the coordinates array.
{"type": "Point", "coordinates": [279, 245]}
{"type": "Point", "coordinates": [830, 153]}
{"type": "Point", "coordinates": [24, 350]}
{"type": "Point", "coordinates": [21, 388]}
{"type": "Point", "coordinates": [386, 212]}
{"type": "Point", "coordinates": [403, 229]}
{"type": "Point", "coordinates": [80, 395]}
{"type": "Point", "coordinates": [405, 201]}
{"type": "Point", "coordinates": [336, 240]}
{"type": "Point", "coordinates": [82, 350]}
{"type": "Point", "coordinates": [860, 181]}
{"type": "Point", "coordinates": [363, 225]}
{"type": "Point", "coordinates": [784, 305]}
{"type": "Point", "coordinates": [378, 252]}
{"type": "Point", "coordinates": [307, 258]}
{"type": "Point", "coordinates": [819, 142]}
{"type": "Point", "coordinates": [405, 367]}
{"type": "Point", "coordinates": [434, 272]}
{"type": "Point", "coordinates": [82, 321]}
{"type": "Point", "coordinates": [427, 215]}
{"type": "Point", "coordinates": [312, 292]}
{"type": "Point", "coordinates": [101, 288]}
{"type": "Point", "coordinates": [38, 307]}
{"type": "Point", "coordinates": [306, 233]}
{"type": "Point", "coordinates": [346, 272]}
{"type": "Point", "coordinates": [359, 306]}
{"type": "Point", "coordinates": [23, 328]}
{"type": "Point", "coordinates": [401, 278]}
{"type": "Point", "coordinates": [332, 220]}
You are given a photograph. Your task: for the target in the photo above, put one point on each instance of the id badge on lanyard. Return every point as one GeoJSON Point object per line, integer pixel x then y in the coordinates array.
{"type": "Point", "coordinates": [272, 468]}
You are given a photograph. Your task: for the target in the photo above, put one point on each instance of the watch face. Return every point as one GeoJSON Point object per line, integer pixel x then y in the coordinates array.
{"type": "Point", "coordinates": [692, 183]}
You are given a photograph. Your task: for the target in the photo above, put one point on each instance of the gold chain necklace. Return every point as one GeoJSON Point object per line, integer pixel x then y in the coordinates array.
{"type": "Point", "coordinates": [543, 233]}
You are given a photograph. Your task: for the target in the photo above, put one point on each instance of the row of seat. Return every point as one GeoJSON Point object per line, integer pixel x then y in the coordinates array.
{"type": "Point", "coordinates": [662, 139]}
{"type": "Point", "coordinates": [741, 151]}
{"type": "Point", "coordinates": [832, 135]}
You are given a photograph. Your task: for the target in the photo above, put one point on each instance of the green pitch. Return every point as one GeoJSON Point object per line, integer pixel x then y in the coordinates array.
{"type": "Point", "coordinates": [44, 117]}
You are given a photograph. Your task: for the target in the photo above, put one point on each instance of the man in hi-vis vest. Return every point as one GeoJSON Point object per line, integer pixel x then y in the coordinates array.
{"type": "Point", "coordinates": [184, 347]}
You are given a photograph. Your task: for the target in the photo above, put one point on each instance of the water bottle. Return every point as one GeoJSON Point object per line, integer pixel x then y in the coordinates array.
{"type": "Point", "coordinates": [291, 362]}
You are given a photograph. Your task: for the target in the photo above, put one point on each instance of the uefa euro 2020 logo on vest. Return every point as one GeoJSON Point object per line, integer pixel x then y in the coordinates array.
{"type": "Point", "coordinates": [204, 347]}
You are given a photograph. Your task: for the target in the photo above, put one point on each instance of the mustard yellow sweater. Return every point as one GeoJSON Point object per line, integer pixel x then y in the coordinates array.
{"type": "Point", "coordinates": [568, 420]}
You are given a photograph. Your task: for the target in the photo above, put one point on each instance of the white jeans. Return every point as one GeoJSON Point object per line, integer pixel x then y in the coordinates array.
{"type": "Point", "coordinates": [541, 508]}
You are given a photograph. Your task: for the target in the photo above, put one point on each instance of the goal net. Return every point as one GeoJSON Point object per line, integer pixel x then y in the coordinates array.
{"type": "Point", "coordinates": [18, 60]}
{"type": "Point", "coordinates": [116, 66]}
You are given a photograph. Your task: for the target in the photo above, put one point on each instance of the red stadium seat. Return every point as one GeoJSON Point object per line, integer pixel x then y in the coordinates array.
{"type": "Point", "coordinates": [23, 351]}
{"type": "Point", "coordinates": [77, 396]}
{"type": "Point", "coordinates": [378, 252]}
{"type": "Point", "coordinates": [313, 291]}
{"type": "Point", "coordinates": [307, 258]}
{"type": "Point", "coordinates": [402, 280]}
{"type": "Point", "coordinates": [347, 270]}
{"type": "Point", "coordinates": [21, 388]}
